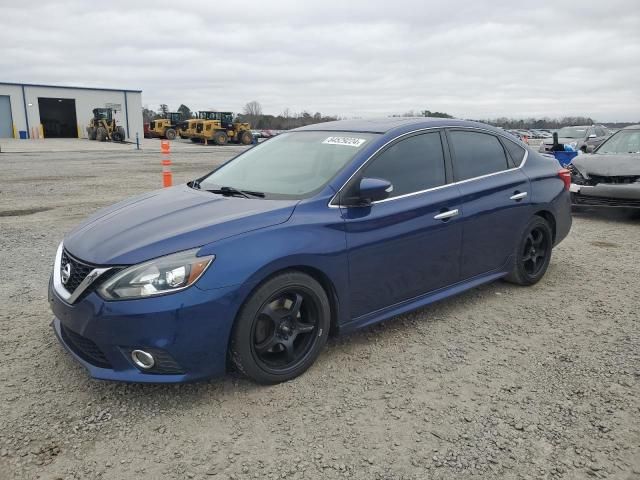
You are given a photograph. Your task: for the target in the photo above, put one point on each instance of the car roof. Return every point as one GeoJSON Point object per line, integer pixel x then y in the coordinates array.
{"type": "Point", "coordinates": [388, 124]}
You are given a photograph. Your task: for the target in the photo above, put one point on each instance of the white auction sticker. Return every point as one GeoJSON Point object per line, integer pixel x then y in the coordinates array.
{"type": "Point", "coordinates": [348, 141]}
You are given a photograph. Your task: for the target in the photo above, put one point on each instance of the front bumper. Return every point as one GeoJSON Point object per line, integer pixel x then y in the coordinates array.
{"type": "Point", "coordinates": [606, 195]}
{"type": "Point", "coordinates": [188, 330]}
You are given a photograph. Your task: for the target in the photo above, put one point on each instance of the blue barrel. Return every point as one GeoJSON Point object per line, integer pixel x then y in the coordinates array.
{"type": "Point", "coordinates": [565, 158]}
{"type": "Point", "coordinates": [23, 134]}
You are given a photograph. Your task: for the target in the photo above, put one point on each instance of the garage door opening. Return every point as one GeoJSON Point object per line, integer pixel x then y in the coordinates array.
{"type": "Point", "coordinates": [6, 122]}
{"type": "Point", "coordinates": [58, 117]}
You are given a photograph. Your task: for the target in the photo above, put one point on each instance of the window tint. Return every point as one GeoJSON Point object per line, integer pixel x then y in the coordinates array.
{"type": "Point", "coordinates": [515, 151]}
{"type": "Point", "coordinates": [411, 165]}
{"type": "Point", "coordinates": [476, 154]}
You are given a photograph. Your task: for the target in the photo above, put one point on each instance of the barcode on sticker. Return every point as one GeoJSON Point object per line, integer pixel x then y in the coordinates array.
{"type": "Point", "coordinates": [348, 141]}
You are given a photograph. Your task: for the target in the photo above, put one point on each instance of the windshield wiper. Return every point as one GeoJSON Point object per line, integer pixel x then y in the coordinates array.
{"type": "Point", "coordinates": [235, 191]}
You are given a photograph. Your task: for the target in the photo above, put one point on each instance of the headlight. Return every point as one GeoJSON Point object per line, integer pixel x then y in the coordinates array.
{"type": "Point", "coordinates": [162, 275]}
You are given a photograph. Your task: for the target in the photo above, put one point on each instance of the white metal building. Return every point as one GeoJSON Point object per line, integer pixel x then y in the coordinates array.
{"type": "Point", "coordinates": [30, 111]}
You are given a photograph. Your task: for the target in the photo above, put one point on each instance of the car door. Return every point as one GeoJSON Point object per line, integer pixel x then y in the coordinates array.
{"type": "Point", "coordinates": [409, 243]}
{"type": "Point", "coordinates": [495, 197]}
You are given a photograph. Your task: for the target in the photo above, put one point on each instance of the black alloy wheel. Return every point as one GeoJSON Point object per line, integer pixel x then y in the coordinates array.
{"type": "Point", "coordinates": [535, 250]}
{"type": "Point", "coordinates": [281, 329]}
{"type": "Point", "coordinates": [533, 253]}
{"type": "Point", "coordinates": [284, 330]}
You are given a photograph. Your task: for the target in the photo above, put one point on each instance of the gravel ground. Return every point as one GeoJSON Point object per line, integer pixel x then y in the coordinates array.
{"type": "Point", "coordinates": [501, 382]}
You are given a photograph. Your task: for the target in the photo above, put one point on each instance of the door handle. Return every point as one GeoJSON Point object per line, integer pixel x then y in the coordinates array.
{"type": "Point", "coordinates": [447, 215]}
{"type": "Point", "coordinates": [518, 196]}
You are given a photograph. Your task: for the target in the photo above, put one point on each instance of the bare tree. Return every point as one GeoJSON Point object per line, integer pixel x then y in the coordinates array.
{"type": "Point", "coordinates": [253, 109]}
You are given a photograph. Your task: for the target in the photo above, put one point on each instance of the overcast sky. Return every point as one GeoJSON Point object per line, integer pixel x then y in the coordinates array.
{"type": "Point", "coordinates": [473, 59]}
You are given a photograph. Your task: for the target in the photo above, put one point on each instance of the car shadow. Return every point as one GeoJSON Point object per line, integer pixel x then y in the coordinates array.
{"type": "Point", "coordinates": [192, 395]}
{"type": "Point", "coordinates": [625, 215]}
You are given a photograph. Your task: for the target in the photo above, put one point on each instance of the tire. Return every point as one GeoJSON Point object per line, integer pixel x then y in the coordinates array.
{"type": "Point", "coordinates": [281, 329]}
{"type": "Point", "coordinates": [170, 134]}
{"type": "Point", "coordinates": [101, 134]}
{"type": "Point", "coordinates": [91, 133]}
{"type": "Point", "coordinates": [246, 138]}
{"type": "Point", "coordinates": [117, 136]}
{"type": "Point", "coordinates": [533, 253]}
{"type": "Point", "coordinates": [220, 138]}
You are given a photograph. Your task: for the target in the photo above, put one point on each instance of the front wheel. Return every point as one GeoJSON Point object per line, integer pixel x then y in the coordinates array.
{"type": "Point", "coordinates": [220, 138]}
{"type": "Point", "coordinates": [533, 253]}
{"type": "Point", "coordinates": [281, 329]}
{"type": "Point", "coordinates": [170, 134]}
{"type": "Point", "coordinates": [246, 138]}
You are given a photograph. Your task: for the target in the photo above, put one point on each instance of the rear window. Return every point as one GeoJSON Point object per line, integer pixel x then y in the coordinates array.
{"type": "Point", "coordinates": [516, 152]}
{"type": "Point", "coordinates": [476, 154]}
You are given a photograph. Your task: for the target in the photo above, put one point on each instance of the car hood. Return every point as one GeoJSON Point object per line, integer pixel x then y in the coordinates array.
{"type": "Point", "coordinates": [167, 221]}
{"type": "Point", "coordinates": [607, 165]}
{"type": "Point", "coordinates": [549, 141]}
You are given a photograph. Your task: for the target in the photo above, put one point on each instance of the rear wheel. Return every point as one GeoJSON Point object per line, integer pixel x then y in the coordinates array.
{"type": "Point", "coordinates": [101, 134]}
{"type": "Point", "coordinates": [533, 253]}
{"type": "Point", "coordinates": [281, 329]}
{"type": "Point", "coordinates": [246, 138]}
{"type": "Point", "coordinates": [117, 136]}
{"type": "Point", "coordinates": [170, 134]}
{"type": "Point", "coordinates": [91, 132]}
{"type": "Point", "coordinates": [220, 138]}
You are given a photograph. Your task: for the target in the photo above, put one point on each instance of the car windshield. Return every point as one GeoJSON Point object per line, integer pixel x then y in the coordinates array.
{"type": "Point", "coordinates": [292, 165]}
{"type": "Point", "coordinates": [623, 142]}
{"type": "Point", "coordinates": [572, 132]}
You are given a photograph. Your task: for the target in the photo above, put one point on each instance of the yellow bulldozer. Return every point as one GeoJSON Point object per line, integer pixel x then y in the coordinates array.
{"type": "Point", "coordinates": [166, 127]}
{"type": "Point", "coordinates": [219, 128]}
{"type": "Point", "coordinates": [103, 127]}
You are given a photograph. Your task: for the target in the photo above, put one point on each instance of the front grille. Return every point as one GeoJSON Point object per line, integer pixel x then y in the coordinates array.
{"type": "Point", "coordinates": [595, 179]}
{"type": "Point", "coordinates": [604, 201]}
{"type": "Point", "coordinates": [79, 271]}
{"type": "Point", "coordinates": [84, 348]}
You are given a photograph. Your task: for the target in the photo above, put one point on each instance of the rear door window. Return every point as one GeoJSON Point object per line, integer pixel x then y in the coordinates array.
{"type": "Point", "coordinates": [411, 165]}
{"type": "Point", "coordinates": [476, 154]}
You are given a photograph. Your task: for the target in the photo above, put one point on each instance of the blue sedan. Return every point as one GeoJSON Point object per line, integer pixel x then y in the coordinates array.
{"type": "Point", "coordinates": [324, 229]}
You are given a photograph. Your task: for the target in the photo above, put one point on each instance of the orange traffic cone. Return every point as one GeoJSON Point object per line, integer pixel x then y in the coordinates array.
{"type": "Point", "coordinates": [165, 146]}
{"type": "Point", "coordinates": [167, 177]}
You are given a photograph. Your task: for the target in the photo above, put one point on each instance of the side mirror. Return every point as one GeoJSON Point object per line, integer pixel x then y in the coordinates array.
{"type": "Point", "coordinates": [373, 189]}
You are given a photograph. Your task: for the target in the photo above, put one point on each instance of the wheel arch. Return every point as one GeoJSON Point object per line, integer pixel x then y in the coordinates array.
{"type": "Point", "coordinates": [551, 220]}
{"type": "Point", "coordinates": [318, 275]}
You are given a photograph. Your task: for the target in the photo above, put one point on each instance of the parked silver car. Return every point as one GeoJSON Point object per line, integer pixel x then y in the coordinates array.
{"type": "Point", "coordinates": [585, 138]}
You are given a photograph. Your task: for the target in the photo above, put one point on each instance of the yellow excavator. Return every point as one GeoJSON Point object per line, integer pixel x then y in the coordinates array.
{"type": "Point", "coordinates": [166, 127]}
{"type": "Point", "coordinates": [103, 126]}
{"type": "Point", "coordinates": [220, 128]}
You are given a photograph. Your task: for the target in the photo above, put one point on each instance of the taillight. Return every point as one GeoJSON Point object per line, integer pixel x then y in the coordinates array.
{"type": "Point", "coordinates": [565, 176]}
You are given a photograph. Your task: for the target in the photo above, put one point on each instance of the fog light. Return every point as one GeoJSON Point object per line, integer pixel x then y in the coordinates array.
{"type": "Point", "coordinates": [143, 359]}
